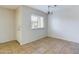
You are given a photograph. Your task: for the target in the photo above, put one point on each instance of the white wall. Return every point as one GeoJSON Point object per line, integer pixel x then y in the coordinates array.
{"type": "Point", "coordinates": [7, 25]}
{"type": "Point", "coordinates": [27, 34]}
{"type": "Point", "coordinates": [64, 23]}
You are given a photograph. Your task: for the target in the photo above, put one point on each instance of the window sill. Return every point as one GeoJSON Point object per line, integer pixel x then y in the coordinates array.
{"type": "Point", "coordinates": [38, 29]}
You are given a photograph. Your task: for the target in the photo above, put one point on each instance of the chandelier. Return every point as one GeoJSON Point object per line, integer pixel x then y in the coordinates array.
{"type": "Point", "coordinates": [50, 11]}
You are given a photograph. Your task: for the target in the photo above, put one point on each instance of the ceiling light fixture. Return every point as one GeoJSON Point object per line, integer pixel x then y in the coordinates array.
{"type": "Point", "coordinates": [50, 11]}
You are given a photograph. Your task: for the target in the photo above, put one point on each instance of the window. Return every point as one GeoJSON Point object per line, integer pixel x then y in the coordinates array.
{"type": "Point", "coordinates": [37, 22]}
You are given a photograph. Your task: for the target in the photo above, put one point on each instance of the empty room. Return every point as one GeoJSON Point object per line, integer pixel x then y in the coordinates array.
{"type": "Point", "coordinates": [39, 29]}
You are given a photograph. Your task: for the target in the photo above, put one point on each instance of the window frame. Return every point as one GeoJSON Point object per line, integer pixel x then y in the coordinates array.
{"type": "Point", "coordinates": [38, 18]}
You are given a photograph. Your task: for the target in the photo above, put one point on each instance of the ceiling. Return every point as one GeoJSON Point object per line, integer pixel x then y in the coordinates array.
{"type": "Point", "coordinates": [43, 8]}
{"type": "Point", "coordinates": [9, 6]}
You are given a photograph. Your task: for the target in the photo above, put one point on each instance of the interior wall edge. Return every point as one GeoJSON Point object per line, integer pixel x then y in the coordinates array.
{"type": "Point", "coordinates": [22, 43]}
{"type": "Point", "coordinates": [62, 39]}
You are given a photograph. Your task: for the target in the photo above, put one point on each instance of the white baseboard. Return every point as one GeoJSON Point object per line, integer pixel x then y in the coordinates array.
{"type": "Point", "coordinates": [64, 39]}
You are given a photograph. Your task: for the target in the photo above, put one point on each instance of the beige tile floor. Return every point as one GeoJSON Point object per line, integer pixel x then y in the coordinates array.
{"type": "Point", "coordinates": [43, 46]}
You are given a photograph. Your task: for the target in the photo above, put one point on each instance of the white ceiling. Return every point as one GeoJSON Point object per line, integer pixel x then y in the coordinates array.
{"type": "Point", "coordinates": [9, 6]}
{"type": "Point", "coordinates": [43, 8]}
